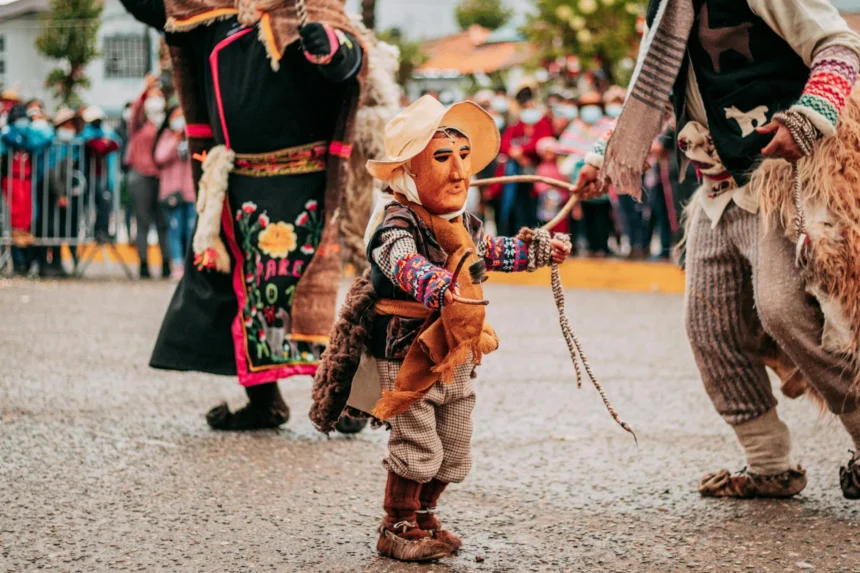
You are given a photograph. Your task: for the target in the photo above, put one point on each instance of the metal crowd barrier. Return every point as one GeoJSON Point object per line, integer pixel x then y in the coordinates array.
{"type": "Point", "coordinates": [57, 196]}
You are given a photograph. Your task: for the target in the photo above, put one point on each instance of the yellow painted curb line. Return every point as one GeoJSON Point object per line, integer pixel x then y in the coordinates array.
{"type": "Point", "coordinates": [604, 274]}
{"type": "Point", "coordinates": [598, 274]}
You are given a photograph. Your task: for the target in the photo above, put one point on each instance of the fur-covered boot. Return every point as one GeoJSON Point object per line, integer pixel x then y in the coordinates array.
{"type": "Point", "coordinates": [427, 519]}
{"type": "Point", "coordinates": [399, 535]}
{"type": "Point", "coordinates": [266, 409]}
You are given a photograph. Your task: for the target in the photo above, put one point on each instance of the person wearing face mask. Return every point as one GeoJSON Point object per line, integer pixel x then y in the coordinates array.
{"type": "Point", "coordinates": [101, 147]}
{"type": "Point", "coordinates": [176, 187]}
{"type": "Point", "coordinates": [21, 150]}
{"type": "Point", "coordinates": [562, 114]}
{"type": "Point", "coordinates": [271, 101]}
{"type": "Point", "coordinates": [518, 155]}
{"type": "Point", "coordinates": [124, 197]}
{"type": "Point", "coordinates": [60, 214]}
{"type": "Point", "coordinates": [9, 98]}
{"type": "Point", "coordinates": [147, 115]}
{"type": "Point", "coordinates": [630, 213]}
{"type": "Point", "coordinates": [577, 140]}
{"type": "Point", "coordinates": [424, 340]}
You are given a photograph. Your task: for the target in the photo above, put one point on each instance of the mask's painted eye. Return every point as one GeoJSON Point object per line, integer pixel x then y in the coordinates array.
{"type": "Point", "coordinates": [442, 155]}
{"type": "Point", "coordinates": [464, 152]}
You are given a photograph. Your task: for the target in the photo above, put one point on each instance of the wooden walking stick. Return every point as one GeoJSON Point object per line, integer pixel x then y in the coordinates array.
{"type": "Point", "coordinates": [540, 255]}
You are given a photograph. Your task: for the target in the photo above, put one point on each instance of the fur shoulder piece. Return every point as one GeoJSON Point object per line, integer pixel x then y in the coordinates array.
{"type": "Point", "coordinates": [380, 102]}
{"type": "Point", "coordinates": [350, 338]}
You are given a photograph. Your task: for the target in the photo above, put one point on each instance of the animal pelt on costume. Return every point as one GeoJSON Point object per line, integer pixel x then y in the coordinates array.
{"type": "Point", "coordinates": [830, 179]}
{"type": "Point", "coordinates": [380, 102]}
{"type": "Point", "coordinates": [350, 339]}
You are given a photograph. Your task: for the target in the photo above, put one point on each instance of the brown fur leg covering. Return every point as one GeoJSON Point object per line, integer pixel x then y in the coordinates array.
{"type": "Point", "coordinates": [350, 338]}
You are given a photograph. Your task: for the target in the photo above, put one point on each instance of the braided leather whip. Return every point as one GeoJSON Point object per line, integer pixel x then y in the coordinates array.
{"type": "Point", "coordinates": [540, 255]}
{"type": "Point", "coordinates": [302, 10]}
{"type": "Point", "coordinates": [805, 135]}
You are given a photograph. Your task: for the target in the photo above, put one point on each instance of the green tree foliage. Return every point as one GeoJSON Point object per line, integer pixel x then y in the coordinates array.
{"type": "Point", "coordinates": [601, 29]}
{"type": "Point", "coordinates": [411, 55]}
{"type": "Point", "coordinates": [490, 14]}
{"type": "Point", "coordinates": [69, 34]}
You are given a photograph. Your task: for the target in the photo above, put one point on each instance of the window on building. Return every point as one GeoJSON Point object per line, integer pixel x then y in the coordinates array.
{"type": "Point", "coordinates": [126, 56]}
{"type": "Point", "coordinates": [2, 57]}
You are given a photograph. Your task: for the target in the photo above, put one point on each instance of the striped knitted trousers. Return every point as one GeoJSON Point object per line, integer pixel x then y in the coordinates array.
{"type": "Point", "coordinates": [742, 281]}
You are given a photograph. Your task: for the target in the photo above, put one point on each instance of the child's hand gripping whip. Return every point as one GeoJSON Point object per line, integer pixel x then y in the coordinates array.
{"type": "Point", "coordinates": [540, 254]}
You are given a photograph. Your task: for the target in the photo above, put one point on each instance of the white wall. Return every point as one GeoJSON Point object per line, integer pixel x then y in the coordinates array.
{"type": "Point", "coordinates": [112, 94]}
{"type": "Point", "coordinates": [27, 69]}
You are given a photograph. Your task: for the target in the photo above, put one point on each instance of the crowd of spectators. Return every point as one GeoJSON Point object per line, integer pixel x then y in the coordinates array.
{"type": "Point", "coordinates": [550, 135]}
{"type": "Point", "coordinates": [62, 175]}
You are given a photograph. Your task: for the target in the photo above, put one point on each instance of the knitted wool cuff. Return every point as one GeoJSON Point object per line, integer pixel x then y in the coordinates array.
{"type": "Point", "coordinates": [767, 444]}
{"type": "Point", "coordinates": [426, 282]}
{"type": "Point", "coordinates": [506, 254]}
{"type": "Point", "coordinates": [852, 424]}
{"type": "Point", "coordinates": [595, 157]}
{"type": "Point", "coordinates": [832, 76]}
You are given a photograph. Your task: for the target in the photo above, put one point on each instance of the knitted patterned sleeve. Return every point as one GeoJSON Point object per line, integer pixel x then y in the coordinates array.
{"type": "Point", "coordinates": [595, 156]}
{"type": "Point", "coordinates": [398, 259]}
{"type": "Point", "coordinates": [504, 254]}
{"type": "Point", "coordinates": [832, 75]}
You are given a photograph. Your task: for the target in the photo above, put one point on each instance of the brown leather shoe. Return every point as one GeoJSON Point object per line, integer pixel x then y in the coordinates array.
{"type": "Point", "coordinates": [405, 541]}
{"type": "Point", "coordinates": [849, 478]}
{"type": "Point", "coordinates": [426, 516]}
{"type": "Point", "coordinates": [428, 522]}
{"type": "Point", "coordinates": [745, 484]}
{"type": "Point", "coordinates": [399, 535]}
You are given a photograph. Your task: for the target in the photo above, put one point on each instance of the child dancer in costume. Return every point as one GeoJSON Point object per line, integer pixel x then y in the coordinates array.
{"type": "Point", "coordinates": [427, 337]}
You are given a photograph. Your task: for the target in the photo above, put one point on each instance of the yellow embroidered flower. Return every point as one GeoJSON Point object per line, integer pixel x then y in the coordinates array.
{"type": "Point", "coordinates": [278, 239]}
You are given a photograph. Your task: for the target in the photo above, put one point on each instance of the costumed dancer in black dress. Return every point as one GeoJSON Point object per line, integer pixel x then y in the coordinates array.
{"type": "Point", "coordinates": [269, 89]}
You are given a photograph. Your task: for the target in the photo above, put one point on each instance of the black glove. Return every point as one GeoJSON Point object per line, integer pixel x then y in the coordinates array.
{"type": "Point", "coordinates": [317, 40]}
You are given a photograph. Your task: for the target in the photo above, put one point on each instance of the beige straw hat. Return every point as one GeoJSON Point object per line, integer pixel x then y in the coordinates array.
{"type": "Point", "coordinates": [412, 129]}
{"type": "Point", "coordinates": [63, 115]}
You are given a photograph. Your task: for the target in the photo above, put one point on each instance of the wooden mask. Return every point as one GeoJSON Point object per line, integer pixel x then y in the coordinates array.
{"type": "Point", "coordinates": [442, 172]}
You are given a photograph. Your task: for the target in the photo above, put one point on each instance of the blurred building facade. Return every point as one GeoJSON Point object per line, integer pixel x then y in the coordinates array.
{"type": "Point", "coordinates": [128, 52]}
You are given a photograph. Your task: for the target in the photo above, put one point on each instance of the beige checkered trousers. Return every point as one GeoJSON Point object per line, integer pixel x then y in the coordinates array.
{"type": "Point", "coordinates": [432, 439]}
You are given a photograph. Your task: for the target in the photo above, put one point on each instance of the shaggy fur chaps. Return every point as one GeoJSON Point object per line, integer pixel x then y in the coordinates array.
{"type": "Point", "coordinates": [350, 339]}
{"type": "Point", "coordinates": [830, 179]}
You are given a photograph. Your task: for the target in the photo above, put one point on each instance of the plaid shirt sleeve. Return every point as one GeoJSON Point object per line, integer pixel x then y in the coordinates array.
{"type": "Point", "coordinates": [398, 259]}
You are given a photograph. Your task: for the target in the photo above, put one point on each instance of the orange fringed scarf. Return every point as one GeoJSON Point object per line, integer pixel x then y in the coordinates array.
{"type": "Point", "coordinates": [449, 338]}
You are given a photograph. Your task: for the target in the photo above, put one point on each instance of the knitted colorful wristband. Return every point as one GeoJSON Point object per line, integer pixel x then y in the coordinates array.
{"type": "Point", "coordinates": [832, 76]}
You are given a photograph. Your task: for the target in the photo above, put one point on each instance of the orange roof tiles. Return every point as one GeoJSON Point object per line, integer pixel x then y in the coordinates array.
{"type": "Point", "coordinates": [468, 53]}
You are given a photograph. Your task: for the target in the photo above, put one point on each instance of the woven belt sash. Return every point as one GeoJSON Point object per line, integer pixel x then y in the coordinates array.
{"type": "Point", "coordinates": [310, 158]}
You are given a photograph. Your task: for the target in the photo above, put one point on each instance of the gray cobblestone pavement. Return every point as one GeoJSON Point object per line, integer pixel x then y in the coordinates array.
{"type": "Point", "coordinates": [106, 465]}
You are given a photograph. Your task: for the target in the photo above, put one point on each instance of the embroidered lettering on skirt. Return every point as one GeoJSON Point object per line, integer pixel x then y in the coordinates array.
{"type": "Point", "coordinates": [275, 255]}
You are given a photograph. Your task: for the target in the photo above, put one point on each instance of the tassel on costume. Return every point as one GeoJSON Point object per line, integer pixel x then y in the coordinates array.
{"type": "Point", "coordinates": [209, 249]}
{"type": "Point", "coordinates": [394, 403]}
